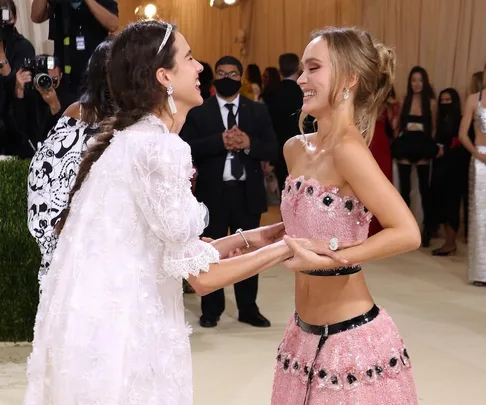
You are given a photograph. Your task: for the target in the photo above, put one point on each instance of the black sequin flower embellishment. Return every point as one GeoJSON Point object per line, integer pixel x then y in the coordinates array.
{"type": "Point", "coordinates": [327, 200]}
{"type": "Point", "coordinates": [348, 205]}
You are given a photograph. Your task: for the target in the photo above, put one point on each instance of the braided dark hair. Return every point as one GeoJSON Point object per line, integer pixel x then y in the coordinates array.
{"type": "Point", "coordinates": [131, 71]}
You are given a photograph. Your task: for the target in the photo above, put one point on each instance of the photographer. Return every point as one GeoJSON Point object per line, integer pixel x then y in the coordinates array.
{"type": "Point", "coordinates": [40, 99]}
{"type": "Point", "coordinates": [77, 27]}
{"type": "Point", "coordinates": [14, 48]}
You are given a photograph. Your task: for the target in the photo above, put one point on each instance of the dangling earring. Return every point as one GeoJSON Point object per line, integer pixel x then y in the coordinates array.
{"type": "Point", "coordinates": [172, 106]}
{"type": "Point", "coordinates": [346, 94]}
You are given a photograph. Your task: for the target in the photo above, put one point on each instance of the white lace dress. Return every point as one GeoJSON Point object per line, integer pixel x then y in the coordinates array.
{"type": "Point", "coordinates": [110, 327]}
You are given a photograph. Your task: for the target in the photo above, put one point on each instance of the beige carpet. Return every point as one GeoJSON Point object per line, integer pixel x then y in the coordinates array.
{"type": "Point", "coordinates": [441, 317]}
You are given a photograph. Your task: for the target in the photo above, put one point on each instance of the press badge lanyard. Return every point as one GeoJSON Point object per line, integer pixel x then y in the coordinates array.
{"type": "Point", "coordinates": [80, 42]}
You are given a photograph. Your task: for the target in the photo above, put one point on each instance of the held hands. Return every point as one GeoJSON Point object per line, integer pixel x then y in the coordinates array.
{"type": "Point", "coordinates": [257, 238]}
{"type": "Point", "coordinates": [265, 235]}
{"type": "Point", "coordinates": [236, 252]}
{"type": "Point", "coordinates": [310, 254]}
{"type": "Point", "coordinates": [235, 139]}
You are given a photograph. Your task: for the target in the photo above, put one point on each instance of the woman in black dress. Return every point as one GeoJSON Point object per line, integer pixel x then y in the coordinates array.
{"type": "Point", "coordinates": [415, 144]}
{"type": "Point", "coordinates": [447, 179]}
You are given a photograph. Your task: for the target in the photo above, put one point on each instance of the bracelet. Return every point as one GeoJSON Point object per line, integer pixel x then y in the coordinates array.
{"type": "Point", "coordinates": [240, 231]}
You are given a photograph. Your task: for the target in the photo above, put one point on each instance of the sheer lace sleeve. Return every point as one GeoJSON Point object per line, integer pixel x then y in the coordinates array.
{"type": "Point", "coordinates": [162, 174]}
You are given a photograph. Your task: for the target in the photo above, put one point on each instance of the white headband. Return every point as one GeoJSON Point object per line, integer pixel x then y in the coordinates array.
{"type": "Point", "coordinates": [166, 37]}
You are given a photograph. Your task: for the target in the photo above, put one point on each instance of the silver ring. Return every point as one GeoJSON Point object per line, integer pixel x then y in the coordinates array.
{"type": "Point", "coordinates": [333, 244]}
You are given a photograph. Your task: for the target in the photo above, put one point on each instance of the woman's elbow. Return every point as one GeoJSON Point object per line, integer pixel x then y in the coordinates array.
{"type": "Point", "coordinates": [201, 289]}
{"type": "Point", "coordinates": [200, 285]}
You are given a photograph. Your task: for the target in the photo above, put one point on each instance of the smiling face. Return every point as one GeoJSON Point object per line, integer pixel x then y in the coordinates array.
{"type": "Point", "coordinates": [316, 79]}
{"type": "Point", "coordinates": [184, 77]}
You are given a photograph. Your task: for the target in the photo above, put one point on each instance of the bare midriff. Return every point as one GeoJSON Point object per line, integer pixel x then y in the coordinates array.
{"type": "Point", "coordinates": [331, 299]}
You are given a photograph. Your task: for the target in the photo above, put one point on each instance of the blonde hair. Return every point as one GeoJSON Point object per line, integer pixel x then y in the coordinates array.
{"type": "Point", "coordinates": [353, 52]}
{"type": "Point", "coordinates": [477, 82]}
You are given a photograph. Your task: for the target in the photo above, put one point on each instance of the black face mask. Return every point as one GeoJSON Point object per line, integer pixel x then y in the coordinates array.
{"type": "Point", "coordinates": [6, 32]}
{"type": "Point", "coordinates": [446, 108]}
{"type": "Point", "coordinates": [227, 87]}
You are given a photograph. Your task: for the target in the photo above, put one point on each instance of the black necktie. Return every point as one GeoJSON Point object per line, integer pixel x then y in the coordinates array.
{"type": "Point", "coordinates": [236, 166]}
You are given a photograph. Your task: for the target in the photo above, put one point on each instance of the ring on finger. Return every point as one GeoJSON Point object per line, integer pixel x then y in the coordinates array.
{"type": "Point", "coordinates": [333, 244]}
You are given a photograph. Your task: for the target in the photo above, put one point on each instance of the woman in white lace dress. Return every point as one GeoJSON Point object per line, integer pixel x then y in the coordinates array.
{"type": "Point", "coordinates": [110, 326]}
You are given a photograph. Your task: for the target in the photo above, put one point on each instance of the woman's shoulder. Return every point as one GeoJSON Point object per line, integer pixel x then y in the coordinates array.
{"type": "Point", "coordinates": [73, 111]}
{"type": "Point", "coordinates": [473, 98]}
{"type": "Point", "coordinates": [349, 146]}
{"type": "Point", "coordinates": [296, 142]}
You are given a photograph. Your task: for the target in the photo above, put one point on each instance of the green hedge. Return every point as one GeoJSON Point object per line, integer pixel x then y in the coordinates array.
{"type": "Point", "coordinates": [19, 256]}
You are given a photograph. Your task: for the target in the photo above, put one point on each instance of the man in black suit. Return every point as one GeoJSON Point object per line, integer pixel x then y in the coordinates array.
{"type": "Point", "coordinates": [286, 111]}
{"type": "Point", "coordinates": [230, 136]}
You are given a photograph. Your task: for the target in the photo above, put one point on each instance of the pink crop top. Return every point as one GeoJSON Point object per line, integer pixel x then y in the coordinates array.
{"type": "Point", "coordinates": [310, 210]}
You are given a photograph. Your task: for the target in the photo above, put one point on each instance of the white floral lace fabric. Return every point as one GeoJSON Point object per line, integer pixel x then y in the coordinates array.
{"type": "Point", "coordinates": [110, 327]}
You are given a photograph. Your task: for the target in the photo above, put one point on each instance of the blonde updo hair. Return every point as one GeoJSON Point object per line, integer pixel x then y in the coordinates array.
{"type": "Point", "coordinates": [477, 82]}
{"type": "Point", "coordinates": [353, 52]}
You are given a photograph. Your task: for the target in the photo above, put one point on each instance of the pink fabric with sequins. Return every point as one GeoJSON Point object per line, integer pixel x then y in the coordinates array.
{"type": "Point", "coordinates": [310, 210]}
{"type": "Point", "coordinates": [368, 365]}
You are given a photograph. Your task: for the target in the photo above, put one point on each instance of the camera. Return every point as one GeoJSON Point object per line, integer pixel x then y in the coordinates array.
{"type": "Point", "coordinates": [5, 25]}
{"type": "Point", "coordinates": [39, 68]}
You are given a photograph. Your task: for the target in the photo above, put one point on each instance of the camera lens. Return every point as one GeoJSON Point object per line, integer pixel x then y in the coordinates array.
{"type": "Point", "coordinates": [43, 81]}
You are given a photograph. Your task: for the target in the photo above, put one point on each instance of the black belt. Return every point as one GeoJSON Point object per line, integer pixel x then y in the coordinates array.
{"type": "Point", "coordinates": [326, 330]}
{"type": "Point", "coordinates": [343, 271]}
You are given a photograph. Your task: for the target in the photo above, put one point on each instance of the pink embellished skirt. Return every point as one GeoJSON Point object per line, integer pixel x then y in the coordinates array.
{"type": "Point", "coordinates": [362, 361]}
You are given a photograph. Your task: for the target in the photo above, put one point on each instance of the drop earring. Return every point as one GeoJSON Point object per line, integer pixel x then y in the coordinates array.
{"type": "Point", "coordinates": [172, 106]}
{"type": "Point", "coordinates": [346, 94]}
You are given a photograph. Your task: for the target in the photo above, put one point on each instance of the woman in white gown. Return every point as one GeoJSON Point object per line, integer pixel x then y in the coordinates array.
{"type": "Point", "coordinates": [475, 111]}
{"type": "Point", "coordinates": [110, 326]}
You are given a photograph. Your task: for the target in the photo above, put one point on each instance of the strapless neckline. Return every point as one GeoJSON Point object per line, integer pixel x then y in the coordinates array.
{"type": "Point", "coordinates": [331, 188]}
{"type": "Point", "coordinates": [316, 211]}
